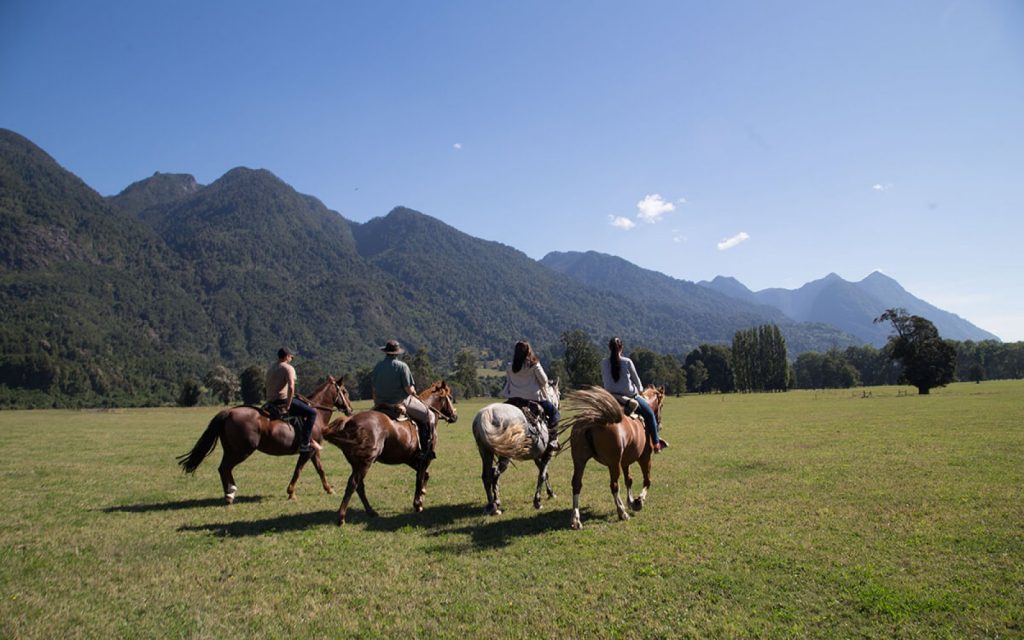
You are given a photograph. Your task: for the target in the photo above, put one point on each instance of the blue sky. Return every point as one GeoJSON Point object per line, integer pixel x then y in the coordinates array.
{"type": "Point", "coordinates": [774, 142]}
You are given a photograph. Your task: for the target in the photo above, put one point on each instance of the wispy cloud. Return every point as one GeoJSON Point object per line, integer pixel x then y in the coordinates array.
{"type": "Point", "coordinates": [457, 146]}
{"type": "Point", "coordinates": [621, 222]}
{"type": "Point", "coordinates": [653, 207]}
{"type": "Point", "coordinates": [729, 243]}
{"type": "Point", "coordinates": [881, 187]}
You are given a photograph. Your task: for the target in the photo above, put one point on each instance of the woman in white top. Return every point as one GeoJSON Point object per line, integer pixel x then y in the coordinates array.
{"type": "Point", "coordinates": [525, 379]}
{"type": "Point", "coordinates": [619, 377]}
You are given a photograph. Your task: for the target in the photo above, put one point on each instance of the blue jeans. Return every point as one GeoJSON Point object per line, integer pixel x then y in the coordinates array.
{"type": "Point", "coordinates": [550, 412]}
{"type": "Point", "coordinates": [650, 419]}
{"type": "Point", "coordinates": [308, 414]}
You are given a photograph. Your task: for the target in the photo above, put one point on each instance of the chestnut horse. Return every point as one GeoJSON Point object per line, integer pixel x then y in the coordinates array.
{"type": "Point", "coordinates": [601, 431]}
{"type": "Point", "coordinates": [372, 436]}
{"type": "Point", "coordinates": [244, 429]}
{"type": "Point", "coordinates": [501, 431]}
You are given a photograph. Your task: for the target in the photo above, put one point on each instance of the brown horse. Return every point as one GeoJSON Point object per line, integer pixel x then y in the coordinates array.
{"type": "Point", "coordinates": [372, 436]}
{"type": "Point", "coordinates": [244, 429]}
{"type": "Point", "coordinates": [601, 431]}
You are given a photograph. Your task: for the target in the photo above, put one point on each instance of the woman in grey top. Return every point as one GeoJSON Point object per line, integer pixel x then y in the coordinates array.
{"type": "Point", "coordinates": [619, 378]}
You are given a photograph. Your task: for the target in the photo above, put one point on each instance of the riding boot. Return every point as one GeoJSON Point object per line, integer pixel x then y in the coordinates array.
{"type": "Point", "coordinates": [553, 438]}
{"type": "Point", "coordinates": [426, 450]}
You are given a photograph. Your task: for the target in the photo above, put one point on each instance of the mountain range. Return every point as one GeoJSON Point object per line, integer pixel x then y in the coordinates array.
{"type": "Point", "coordinates": [117, 299]}
{"type": "Point", "coordinates": [851, 306]}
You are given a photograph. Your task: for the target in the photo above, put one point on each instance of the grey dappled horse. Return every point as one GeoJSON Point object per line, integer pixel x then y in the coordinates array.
{"type": "Point", "coordinates": [502, 431]}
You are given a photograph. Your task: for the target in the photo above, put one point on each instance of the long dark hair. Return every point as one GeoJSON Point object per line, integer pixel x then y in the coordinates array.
{"type": "Point", "coordinates": [523, 355]}
{"type": "Point", "coordinates": [615, 359]}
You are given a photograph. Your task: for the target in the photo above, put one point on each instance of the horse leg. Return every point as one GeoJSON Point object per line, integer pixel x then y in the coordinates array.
{"type": "Point", "coordinates": [613, 472]}
{"type": "Point", "coordinates": [636, 504]}
{"type": "Point", "coordinates": [579, 463]}
{"type": "Point", "coordinates": [355, 482]}
{"type": "Point", "coordinates": [542, 479]}
{"type": "Point", "coordinates": [301, 462]}
{"type": "Point", "coordinates": [487, 477]}
{"type": "Point", "coordinates": [417, 499]}
{"type": "Point", "coordinates": [361, 490]}
{"type": "Point", "coordinates": [318, 465]}
{"type": "Point", "coordinates": [501, 468]}
{"type": "Point", "coordinates": [228, 462]}
{"type": "Point", "coordinates": [645, 469]}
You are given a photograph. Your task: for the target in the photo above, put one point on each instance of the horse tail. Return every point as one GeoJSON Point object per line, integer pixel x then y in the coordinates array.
{"type": "Point", "coordinates": [333, 432]}
{"type": "Point", "coordinates": [594, 406]}
{"type": "Point", "coordinates": [204, 446]}
{"type": "Point", "coordinates": [505, 443]}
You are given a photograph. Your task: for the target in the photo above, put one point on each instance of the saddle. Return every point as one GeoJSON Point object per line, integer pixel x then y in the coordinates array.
{"type": "Point", "coordinates": [630, 406]}
{"type": "Point", "coordinates": [531, 409]}
{"type": "Point", "coordinates": [396, 412]}
{"type": "Point", "coordinates": [274, 410]}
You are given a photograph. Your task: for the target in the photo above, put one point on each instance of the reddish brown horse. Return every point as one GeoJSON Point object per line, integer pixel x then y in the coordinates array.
{"type": "Point", "coordinates": [244, 429]}
{"type": "Point", "coordinates": [601, 431]}
{"type": "Point", "coordinates": [371, 436]}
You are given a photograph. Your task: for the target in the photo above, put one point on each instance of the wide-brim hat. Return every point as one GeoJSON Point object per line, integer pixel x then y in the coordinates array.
{"type": "Point", "coordinates": [392, 348]}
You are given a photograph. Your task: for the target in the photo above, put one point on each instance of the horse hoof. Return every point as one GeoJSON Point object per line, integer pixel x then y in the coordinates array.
{"type": "Point", "coordinates": [623, 515]}
{"type": "Point", "coordinates": [229, 500]}
{"type": "Point", "coordinates": [536, 504]}
{"type": "Point", "coordinates": [637, 504]}
{"type": "Point", "coordinates": [341, 522]}
{"type": "Point", "coordinates": [330, 491]}
{"type": "Point", "coordinates": [575, 525]}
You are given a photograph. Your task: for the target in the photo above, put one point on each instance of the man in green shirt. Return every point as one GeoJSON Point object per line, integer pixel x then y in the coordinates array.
{"type": "Point", "coordinates": [393, 384]}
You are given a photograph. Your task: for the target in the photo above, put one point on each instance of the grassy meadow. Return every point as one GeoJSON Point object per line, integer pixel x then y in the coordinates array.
{"type": "Point", "coordinates": [859, 513]}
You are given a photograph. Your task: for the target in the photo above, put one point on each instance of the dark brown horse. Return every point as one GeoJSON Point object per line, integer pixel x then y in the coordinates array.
{"type": "Point", "coordinates": [601, 431]}
{"type": "Point", "coordinates": [244, 429]}
{"type": "Point", "coordinates": [372, 436]}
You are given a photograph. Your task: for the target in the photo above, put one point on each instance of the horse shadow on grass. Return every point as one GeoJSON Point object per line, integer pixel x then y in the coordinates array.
{"type": "Point", "coordinates": [497, 532]}
{"type": "Point", "coordinates": [431, 518]}
{"type": "Point", "coordinates": [263, 526]}
{"type": "Point", "coordinates": [177, 505]}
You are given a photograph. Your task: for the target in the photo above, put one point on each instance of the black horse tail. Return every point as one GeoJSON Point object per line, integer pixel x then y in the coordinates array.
{"type": "Point", "coordinates": [204, 447]}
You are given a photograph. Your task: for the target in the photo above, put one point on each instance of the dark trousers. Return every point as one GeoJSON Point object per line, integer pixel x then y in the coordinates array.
{"type": "Point", "coordinates": [308, 414]}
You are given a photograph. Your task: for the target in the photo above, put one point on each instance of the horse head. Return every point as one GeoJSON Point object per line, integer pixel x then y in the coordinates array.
{"type": "Point", "coordinates": [438, 398]}
{"type": "Point", "coordinates": [341, 400]}
{"type": "Point", "coordinates": [553, 393]}
{"type": "Point", "coordinates": [655, 397]}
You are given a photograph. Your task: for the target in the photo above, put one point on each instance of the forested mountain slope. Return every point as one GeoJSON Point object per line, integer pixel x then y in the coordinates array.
{"type": "Point", "coordinates": [712, 316]}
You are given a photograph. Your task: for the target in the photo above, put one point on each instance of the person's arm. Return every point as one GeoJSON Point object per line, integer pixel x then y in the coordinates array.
{"type": "Point", "coordinates": [291, 387]}
{"type": "Point", "coordinates": [542, 378]}
{"type": "Point", "coordinates": [606, 374]}
{"type": "Point", "coordinates": [635, 377]}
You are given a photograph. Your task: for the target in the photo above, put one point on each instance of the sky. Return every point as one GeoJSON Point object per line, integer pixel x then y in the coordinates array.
{"type": "Point", "coordinates": [775, 142]}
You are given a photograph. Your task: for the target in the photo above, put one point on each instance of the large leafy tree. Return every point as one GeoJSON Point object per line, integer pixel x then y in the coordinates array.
{"type": "Point", "coordinates": [928, 361]}
{"type": "Point", "coordinates": [422, 370]}
{"type": "Point", "coordinates": [717, 361]}
{"type": "Point", "coordinates": [582, 359]}
{"type": "Point", "coordinates": [465, 374]}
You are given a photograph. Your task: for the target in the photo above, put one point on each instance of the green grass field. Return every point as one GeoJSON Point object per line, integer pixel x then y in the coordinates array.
{"type": "Point", "coordinates": [804, 514]}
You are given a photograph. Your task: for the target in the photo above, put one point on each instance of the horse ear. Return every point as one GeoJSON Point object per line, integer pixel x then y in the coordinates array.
{"type": "Point", "coordinates": [330, 379]}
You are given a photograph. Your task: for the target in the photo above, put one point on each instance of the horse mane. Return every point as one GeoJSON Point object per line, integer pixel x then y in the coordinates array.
{"type": "Point", "coordinates": [594, 406]}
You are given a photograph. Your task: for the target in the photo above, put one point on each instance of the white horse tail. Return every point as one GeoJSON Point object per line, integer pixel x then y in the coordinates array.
{"type": "Point", "coordinates": [505, 441]}
{"type": "Point", "coordinates": [594, 406]}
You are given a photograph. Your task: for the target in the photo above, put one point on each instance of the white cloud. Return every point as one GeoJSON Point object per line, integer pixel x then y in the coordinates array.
{"type": "Point", "coordinates": [881, 187]}
{"type": "Point", "coordinates": [457, 146]}
{"type": "Point", "coordinates": [725, 245]}
{"type": "Point", "coordinates": [622, 223]}
{"type": "Point", "coordinates": [652, 207]}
